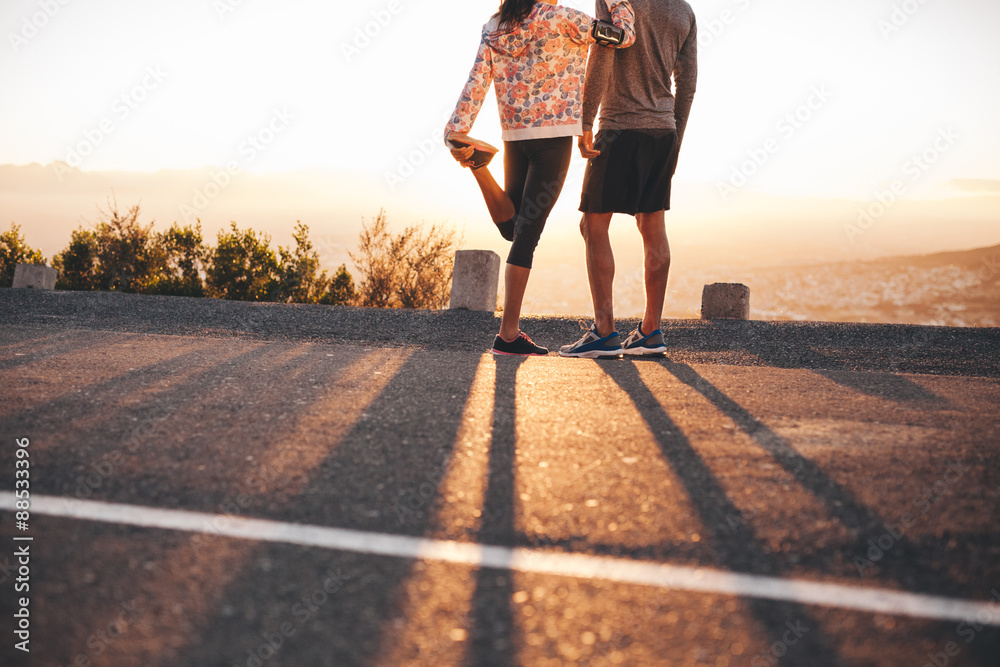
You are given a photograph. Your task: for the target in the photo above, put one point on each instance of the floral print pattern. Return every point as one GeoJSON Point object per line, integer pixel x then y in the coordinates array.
{"type": "Point", "coordinates": [537, 70]}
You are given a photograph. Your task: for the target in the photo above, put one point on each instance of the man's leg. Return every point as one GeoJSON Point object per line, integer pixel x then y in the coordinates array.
{"type": "Point", "coordinates": [600, 269]}
{"type": "Point", "coordinates": [653, 228]}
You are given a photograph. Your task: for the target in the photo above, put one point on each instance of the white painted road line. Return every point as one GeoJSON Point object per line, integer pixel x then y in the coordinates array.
{"type": "Point", "coordinates": [644, 573]}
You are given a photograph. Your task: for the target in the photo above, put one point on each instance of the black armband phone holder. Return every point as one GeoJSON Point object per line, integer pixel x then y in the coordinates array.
{"type": "Point", "coordinates": [607, 33]}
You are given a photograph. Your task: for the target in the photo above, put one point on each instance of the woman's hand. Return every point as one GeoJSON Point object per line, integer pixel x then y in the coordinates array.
{"type": "Point", "coordinates": [463, 155]}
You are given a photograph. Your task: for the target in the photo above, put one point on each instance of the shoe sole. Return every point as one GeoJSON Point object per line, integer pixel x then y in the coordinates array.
{"type": "Point", "coordinates": [518, 354]}
{"type": "Point", "coordinates": [592, 354]}
{"type": "Point", "coordinates": [645, 351]}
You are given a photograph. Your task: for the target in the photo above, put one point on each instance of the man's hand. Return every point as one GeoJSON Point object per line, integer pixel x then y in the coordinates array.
{"type": "Point", "coordinates": [586, 145]}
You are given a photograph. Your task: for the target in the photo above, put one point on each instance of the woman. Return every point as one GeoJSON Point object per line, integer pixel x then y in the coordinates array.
{"type": "Point", "coordinates": [536, 54]}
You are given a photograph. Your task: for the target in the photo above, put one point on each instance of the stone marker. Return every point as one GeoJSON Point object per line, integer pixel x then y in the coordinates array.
{"type": "Point", "coordinates": [35, 276]}
{"type": "Point", "coordinates": [725, 301]}
{"type": "Point", "coordinates": [474, 285]}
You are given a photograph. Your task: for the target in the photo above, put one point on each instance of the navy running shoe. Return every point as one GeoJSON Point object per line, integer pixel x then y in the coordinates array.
{"type": "Point", "coordinates": [638, 344]}
{"type": "Point", "coordinates": [522, 346]}
{"type": "Point", "coordinates": [592, 346]}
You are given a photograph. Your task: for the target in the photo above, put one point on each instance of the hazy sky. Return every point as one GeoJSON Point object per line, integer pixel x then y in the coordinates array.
{"type": "Point", "coordinates": [833, 99]}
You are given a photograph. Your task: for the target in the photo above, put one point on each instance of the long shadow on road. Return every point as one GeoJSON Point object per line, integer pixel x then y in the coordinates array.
{"type": "Point", "coordinates": [379, 470]}
{"type": "Point", "coordinates": [492, 640]}
{"type": "Point", "coordinates": [384, 475]}
{"type": "Point", "coordinates": [734, 541]}
{"type": "Point", "coordinates": [897, 562]}
{"type": "Point", "coordinates": [110, 425]}
{"type": "Point", "coordinates": [53, 346]}
{"type": "Point", "coordinates": [841, 503]}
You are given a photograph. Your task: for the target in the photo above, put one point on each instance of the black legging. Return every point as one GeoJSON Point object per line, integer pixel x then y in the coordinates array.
{"type": "Point", "coordinates": [534, 172]}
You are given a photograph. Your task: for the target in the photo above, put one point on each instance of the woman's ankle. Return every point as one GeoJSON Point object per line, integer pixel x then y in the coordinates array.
{"type": "Point", "coordinates": [506, 229]}
{"type": "Point", "coordinates": [508, 338]}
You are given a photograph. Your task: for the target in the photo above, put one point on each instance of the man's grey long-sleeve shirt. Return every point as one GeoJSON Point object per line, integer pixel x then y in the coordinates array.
{"type": "Point", "coordinates": [632, 86]}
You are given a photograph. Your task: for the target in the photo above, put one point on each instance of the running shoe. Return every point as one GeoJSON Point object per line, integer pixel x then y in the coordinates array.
{"type": "Point", "coordinates": [592, 346]}
{"type": "Point", "coordinates": [522, 346]}
{"type": "Point", "coordinates": [639, 344]}
{"type": "Point", "coordinates": [482, 154]}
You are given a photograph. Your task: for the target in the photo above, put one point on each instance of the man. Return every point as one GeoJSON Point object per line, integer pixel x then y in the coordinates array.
{"type": "Point", "coordinates": [629, 171]}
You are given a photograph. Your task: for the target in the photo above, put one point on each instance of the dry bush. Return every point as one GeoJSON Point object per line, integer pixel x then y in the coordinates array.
{"type": "Point", "coordinates": [412, 269]}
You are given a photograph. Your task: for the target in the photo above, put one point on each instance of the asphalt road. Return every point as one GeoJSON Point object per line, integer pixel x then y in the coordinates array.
{"type": "Point", "coordinates": [863, 455]}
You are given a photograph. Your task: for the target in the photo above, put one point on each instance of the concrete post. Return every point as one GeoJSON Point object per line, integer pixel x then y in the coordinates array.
{"type": "Point", "coordinates": [725, 301]}
{"type": "Point", "coordinates": [474, 284]}
{"type": "Point", "coordinates": [35, 276]}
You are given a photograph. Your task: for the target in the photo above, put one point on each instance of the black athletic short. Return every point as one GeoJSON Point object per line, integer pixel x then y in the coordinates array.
{"type": "Point", "coordinates": [632, 174]}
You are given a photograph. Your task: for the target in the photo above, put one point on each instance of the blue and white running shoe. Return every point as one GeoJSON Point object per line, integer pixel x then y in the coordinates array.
{"type": "Point", "coordinates": [638, 344]}
{"type": "Point", "coordinates": [592, 346]}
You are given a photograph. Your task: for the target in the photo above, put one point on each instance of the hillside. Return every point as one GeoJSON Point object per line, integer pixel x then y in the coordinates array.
{"type": "Point", "coordinates": [948, 289]}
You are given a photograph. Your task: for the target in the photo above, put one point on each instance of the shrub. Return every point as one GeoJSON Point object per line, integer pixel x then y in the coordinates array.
{"type": "Point", "coordinates": [243, 267]}
{"type": "Point", "coordinates": [120, 253]}
{"type": "Point", "coordinates": [14, 251]}
{"type": "Point", "coordinates": [340, 290]}
{"type": "Point", "coordinates": [77, 264]}
{"type": "Point", "coordinates": [299, 282]}
{"type": "Point", "coordinates": [412, 269]}
{"type": "Point", "coordinates": [183, 261]}
{"type": "Point", "coordinates": [129, 256]}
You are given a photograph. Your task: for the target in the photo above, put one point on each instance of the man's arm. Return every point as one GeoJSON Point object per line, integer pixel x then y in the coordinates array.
{"type": "Point", "coordinates": [598, 73]}
{"type": "Point", "coordinates": [599, 64]}
{"type": "Point", "coordinates": [685, 80]}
